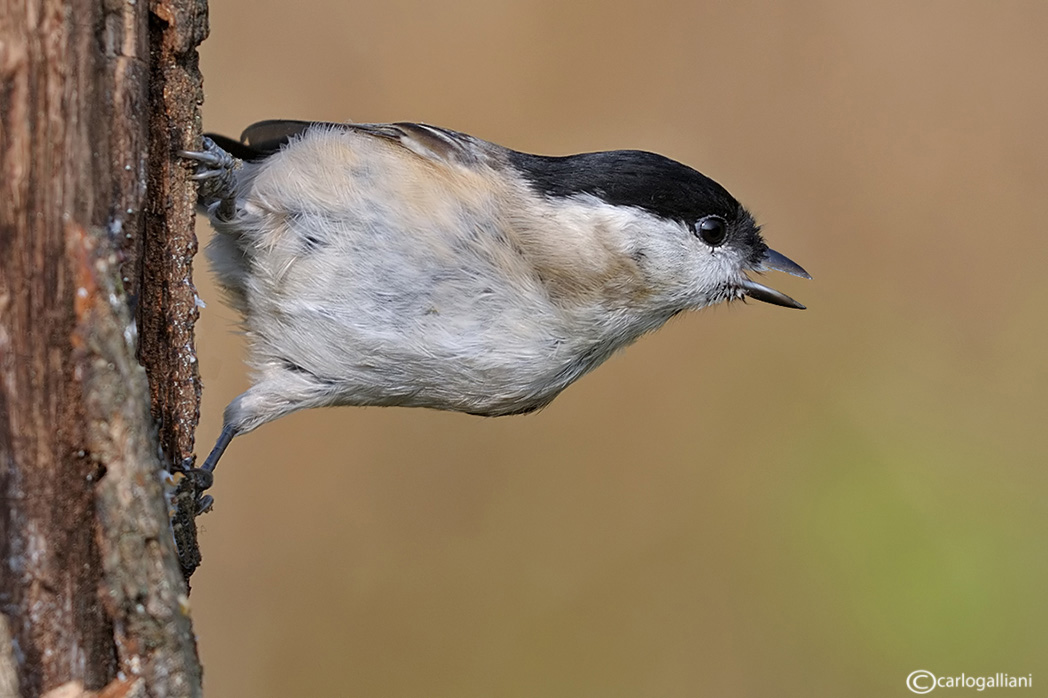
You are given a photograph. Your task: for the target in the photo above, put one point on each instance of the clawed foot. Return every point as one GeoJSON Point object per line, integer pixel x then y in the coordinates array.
{"type": "Point", "coordinates": [201, 479]}
{"type": "Point", "coordinates": [204, 504]}
{"type": "Point", "coordinates": [216, 173]}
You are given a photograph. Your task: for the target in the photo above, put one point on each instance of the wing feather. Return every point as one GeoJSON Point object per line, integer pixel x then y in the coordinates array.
{"type": "Point", "coordinates": [432, 142]}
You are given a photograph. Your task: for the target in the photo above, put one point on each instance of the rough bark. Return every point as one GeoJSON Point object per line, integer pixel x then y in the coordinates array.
{"type": "Point", "coordinates": [167, 307]}
{"type": "Point", "coordinates": [96, 212]}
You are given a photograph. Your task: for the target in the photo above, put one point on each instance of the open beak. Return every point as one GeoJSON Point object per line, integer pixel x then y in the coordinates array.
{"type": "Point", "coordinates": [776, 262]}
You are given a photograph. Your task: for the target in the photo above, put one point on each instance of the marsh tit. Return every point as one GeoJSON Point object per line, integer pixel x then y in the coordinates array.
{"type": "Point", "coordinates": [405, 264]}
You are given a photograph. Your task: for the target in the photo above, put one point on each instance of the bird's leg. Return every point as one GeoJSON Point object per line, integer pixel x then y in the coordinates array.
{"type": "Point", "coordinates": [204, 476]}
{"type": "Point", "coordinates": [228, 432]}
{"type": "Point", "coordinates": [216, 173]}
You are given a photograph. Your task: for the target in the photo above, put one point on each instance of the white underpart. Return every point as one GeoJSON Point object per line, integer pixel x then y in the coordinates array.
{"type": "Point", "coordinates": [371, 275]}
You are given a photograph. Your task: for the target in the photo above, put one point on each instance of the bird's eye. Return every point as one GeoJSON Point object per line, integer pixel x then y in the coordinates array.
{"type": "Point", "coordinates": [712, 230]}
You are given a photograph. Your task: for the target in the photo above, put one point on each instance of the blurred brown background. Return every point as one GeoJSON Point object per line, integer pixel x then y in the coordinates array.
{"type": "Point", "coordinates": [752, 501]}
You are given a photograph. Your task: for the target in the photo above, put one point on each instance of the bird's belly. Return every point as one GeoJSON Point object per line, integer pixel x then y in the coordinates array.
{"type": "Point", "coordinates": [443, 313]}
{"type": "Point", "coordinates": [497, 367]}
{"type": "Point", "coordinates": [433, 337]}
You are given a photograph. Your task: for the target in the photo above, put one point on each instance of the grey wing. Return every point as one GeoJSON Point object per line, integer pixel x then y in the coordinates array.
{"type": "Point", "coordinates": [424, 140]}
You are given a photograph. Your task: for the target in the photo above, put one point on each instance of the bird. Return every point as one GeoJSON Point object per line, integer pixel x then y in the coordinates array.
{"type": "Point", "coordinates": [404, 264]}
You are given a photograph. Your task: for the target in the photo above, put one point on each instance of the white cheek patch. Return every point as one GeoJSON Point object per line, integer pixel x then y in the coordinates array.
{"type": "Point", "coordinates": [672, 265]}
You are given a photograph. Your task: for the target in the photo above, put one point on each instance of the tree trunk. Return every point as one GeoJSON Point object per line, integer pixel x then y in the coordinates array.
{"type": "Point", "coordinates": [96, 245]}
